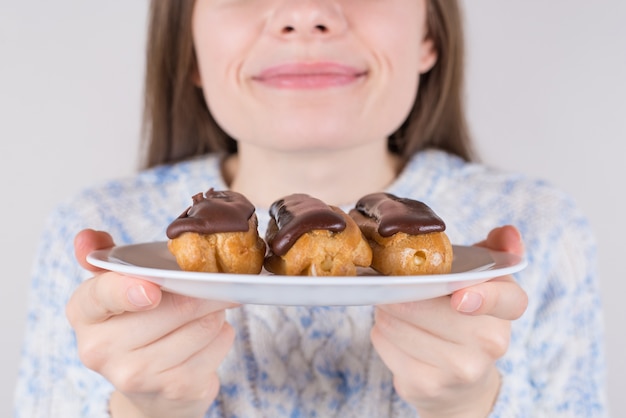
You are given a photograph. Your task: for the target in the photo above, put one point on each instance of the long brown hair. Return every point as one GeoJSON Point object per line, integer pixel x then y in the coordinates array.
{"type": "Point", "coordinates": [178, 125]}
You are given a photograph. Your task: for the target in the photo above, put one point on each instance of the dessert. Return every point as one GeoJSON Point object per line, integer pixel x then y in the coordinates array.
{"type": "Point", "coordinates": [217, 234]}
{"type": "Point", "coordinates": [406, 236]}
{"type": "Point", "coordinates": [307, 237]}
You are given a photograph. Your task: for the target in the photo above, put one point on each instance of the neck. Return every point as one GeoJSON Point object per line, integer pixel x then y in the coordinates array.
{"type": "Point", "coordinates": [336, 177]}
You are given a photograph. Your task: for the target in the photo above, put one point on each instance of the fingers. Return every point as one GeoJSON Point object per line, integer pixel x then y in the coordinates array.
{"type": "Point", "coordinates": [409, 338]}
{"type": "Point", "coordinates": [206, 350]}
{"type": "Point", "coordinates": [105, 299]}
{"type": "Point", "coordinates": [432, 373]}
{"type": "Point", "coordinates": [432, 315]}
{"type": "Point", "coordinates": [200, 366]}
{"type": "Point", "coordinates": [505, 238]}
{"type": "Point", "coordinates": [110, 294]}
{"type": "Point", "coordinates": [438, 318]}
{"type": "Point", "coordinates": [173, 360]}
{"type": "Point", "coordinates": [501, 298]}
{"type": "Point", "coordinates": [186, 388]}
{"type": "Point", "coordinates": [87, 241]}
{"type": "Point", "coordinates": [400, 362]}
{"type": "Point", "coordinates": [175, 315]}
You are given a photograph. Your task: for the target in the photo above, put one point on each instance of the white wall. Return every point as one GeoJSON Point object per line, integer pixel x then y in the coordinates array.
{"type": "Point", "coordinates": [546, 95]}
{"type": "Point", "coordinates": [70, 108]}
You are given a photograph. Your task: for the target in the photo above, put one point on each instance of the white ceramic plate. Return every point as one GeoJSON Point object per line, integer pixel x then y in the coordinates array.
{"type": "Point", "coordinates": [153, 262]}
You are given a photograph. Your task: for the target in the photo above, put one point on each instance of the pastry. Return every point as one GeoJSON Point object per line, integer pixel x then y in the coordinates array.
{"type": "Point", "coordinates": [406, 236]}
{"type": "Point", "coordinates": [307, 237]}
{"type": "Point", "coordinates": [217, 234]}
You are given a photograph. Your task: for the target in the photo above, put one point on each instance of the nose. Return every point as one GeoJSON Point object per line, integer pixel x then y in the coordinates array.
{"type": "Point", "coordinates": [307, 18]}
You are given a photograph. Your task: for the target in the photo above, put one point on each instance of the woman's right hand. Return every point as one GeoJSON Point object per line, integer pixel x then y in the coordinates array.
{"type": "Point", "coordinates": [159, 350]}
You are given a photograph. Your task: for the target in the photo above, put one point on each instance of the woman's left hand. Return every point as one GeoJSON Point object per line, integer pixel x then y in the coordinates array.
{"type": "Point", "coordinates": [442, 352]}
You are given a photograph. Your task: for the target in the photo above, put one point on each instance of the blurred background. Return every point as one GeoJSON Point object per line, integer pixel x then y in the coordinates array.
{"type": "Point", "coordinates": [546, 95]}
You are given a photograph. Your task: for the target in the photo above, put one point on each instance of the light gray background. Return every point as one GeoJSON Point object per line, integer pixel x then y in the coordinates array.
{"type": "Point", "coordinates": [546, 95]}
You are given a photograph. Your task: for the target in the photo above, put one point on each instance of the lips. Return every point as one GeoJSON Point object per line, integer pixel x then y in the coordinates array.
{"type": "Point", "coordinates": [318, 75]}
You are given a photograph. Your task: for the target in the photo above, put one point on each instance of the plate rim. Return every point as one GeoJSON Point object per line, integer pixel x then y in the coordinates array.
{"type": "Point", "coordinates": [504, 264]}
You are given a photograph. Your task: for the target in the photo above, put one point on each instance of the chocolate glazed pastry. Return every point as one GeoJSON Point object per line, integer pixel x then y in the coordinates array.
{"type": "Point", "coordinates": [307, 237]}
{"type": "Point", "coordinates": [406, 236]}
{"type": "Point", "coordinates": [217, 234]}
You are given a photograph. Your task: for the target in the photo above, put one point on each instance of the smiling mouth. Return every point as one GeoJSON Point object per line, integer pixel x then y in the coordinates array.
{"type": "Point", "coordinates": [309, 76]}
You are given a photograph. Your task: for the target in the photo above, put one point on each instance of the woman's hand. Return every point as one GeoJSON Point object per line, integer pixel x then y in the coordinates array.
{"type": "Point", "coordinates": [442, 352]}
{"type": "Point", "coordinates": [159, 350]}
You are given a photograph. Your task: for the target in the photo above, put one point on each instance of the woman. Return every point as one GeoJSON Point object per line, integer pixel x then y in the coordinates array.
{"type": "Point", "coordinates": [335, 98]}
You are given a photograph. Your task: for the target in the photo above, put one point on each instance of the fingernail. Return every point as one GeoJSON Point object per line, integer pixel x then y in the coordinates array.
{"type": "Point", "coordinates": [470, 302]}
{"type": "Point", "coordinates": [137, 296]}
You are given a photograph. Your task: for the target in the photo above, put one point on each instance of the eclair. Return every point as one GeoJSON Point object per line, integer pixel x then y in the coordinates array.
{"type": "Point", "coordinates": [405, 235]}
{"type": "Point", "coordinates": [307, 237]}
{"type": "Point", "coordinates": [218, 233]}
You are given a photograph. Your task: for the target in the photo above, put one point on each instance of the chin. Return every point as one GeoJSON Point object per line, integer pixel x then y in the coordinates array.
{"type": "Point", "coordinates": [316, 141]}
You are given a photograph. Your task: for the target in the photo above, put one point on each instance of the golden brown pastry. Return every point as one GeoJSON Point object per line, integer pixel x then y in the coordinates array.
{"type": "Point", "coordinates": [406, 236]}
{"type": "Point", "coordinates": [217, 234]}
{"type": "Point", "coordinates": [307, 237]}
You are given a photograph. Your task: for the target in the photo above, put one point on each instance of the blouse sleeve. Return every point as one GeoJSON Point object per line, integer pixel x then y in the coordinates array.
{"type": "Point", "coordinates": [555, 366]}
{"type": "Point", "coordinates": [52, 382]}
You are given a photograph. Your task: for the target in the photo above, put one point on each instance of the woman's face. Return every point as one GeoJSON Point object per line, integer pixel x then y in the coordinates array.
{"type": "Point", "coordinates": [310, 74]}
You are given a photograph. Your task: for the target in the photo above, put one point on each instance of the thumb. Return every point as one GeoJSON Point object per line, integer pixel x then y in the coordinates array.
{"type": "Point", "coordinates": [110, 294]}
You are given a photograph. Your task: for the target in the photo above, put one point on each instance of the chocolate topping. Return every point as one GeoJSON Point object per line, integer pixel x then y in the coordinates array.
{"type": "Point", "coordinates": [216, 211]}
{"type": "Point", "coordinates": [394, 214]}
{"type": "Point", "coordinates": [297, 214]}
